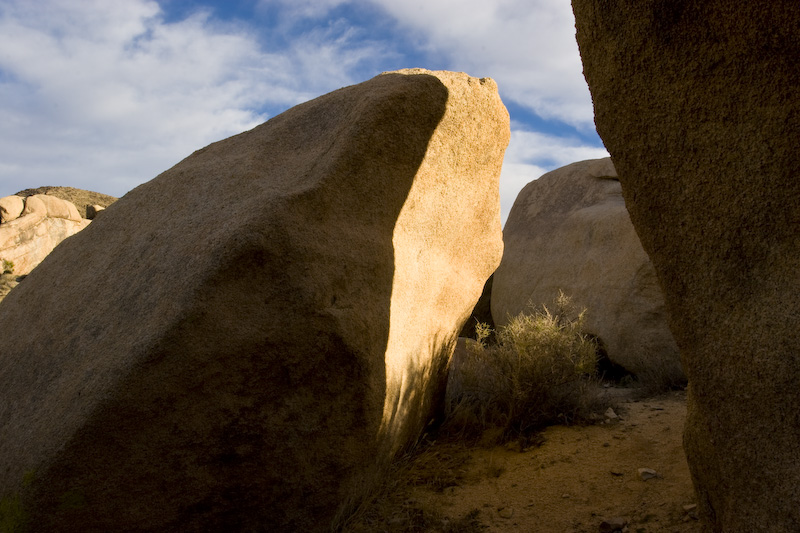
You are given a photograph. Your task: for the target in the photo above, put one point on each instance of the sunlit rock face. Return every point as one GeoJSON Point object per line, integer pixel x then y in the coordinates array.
{"type": "Point", "coordinates": [11, 208]}
{"type": "Point", "coordinates": [31, 227]}
{"type": "Point", "coordinates": [697, 104]}
{"type": "Point", "coordinates": [80, 198]}
{"type": "Point", "coordinates": [271, 318]}
{"type": "Point", "coordinates": [569, 231]}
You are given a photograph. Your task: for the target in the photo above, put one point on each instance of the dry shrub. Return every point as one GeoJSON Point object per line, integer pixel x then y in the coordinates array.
{"type": "Point", "coordinates": [540, 371]}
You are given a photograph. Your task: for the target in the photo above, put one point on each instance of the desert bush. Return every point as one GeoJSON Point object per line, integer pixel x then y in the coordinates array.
{"type": "Point", "coordinates": [539, 371]}
{"type": "Point", "coordinates": [7, 266]}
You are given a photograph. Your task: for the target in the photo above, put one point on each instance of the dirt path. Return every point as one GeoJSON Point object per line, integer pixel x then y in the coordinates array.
{"type": "Point", "coordinates": [577, 479]}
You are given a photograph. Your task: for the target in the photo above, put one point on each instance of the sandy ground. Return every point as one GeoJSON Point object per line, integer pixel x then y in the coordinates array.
{"type": "Point", "coordinates": [575, 480]}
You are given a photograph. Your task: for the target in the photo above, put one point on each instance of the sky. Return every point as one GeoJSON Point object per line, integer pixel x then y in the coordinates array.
{"type": "Point", "coordinates": [104, 95]}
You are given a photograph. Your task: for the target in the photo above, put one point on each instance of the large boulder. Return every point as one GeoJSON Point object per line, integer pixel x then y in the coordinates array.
{"type": "Point", "coordinates": [697, 104]}
{"type": "Point", "coordinates": [569, 231]}
{"type": "Point", "coordinates": [45, 221]}
{"type": "Point", "coordinates": [255, 372]}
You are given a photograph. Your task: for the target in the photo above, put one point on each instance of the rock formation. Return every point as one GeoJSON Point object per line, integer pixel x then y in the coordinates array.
{"type": "Point", "coordinates": [253, 372]}
{"type": "Point", "coordinates": [50, 206]}
{"type": "Point", "coordinates": [569, 231]}
{"type": "Point", "coordinates": [29, 234]}
{"type": "Point", "coordinates": [697, 104]}
{"type": "Point", "coordinates": [11, 208]}
{"type": "Point", "coordinates": [82, 199]}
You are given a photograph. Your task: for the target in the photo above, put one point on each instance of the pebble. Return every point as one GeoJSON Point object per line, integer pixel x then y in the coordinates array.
{"type": "Point", "coordinates": [611, 415]}
{"type": "Point", "coordinates": [647, 473]}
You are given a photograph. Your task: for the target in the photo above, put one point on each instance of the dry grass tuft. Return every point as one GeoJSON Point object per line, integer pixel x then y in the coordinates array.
{"type": "Point", "coordinates": [540, 371]}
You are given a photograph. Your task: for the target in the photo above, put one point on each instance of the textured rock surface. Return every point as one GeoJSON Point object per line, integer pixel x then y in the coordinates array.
{"type": "Point", "coordinates": [252, 373]}
{"type": "Point", "coordinates": [697, 104]}
{"type": "Point", "coordinates": [44, 222]}
{"type": "Point", "coordinates": [569, 230]}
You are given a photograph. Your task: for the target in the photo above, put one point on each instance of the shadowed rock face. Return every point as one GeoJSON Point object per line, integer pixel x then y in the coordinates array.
{"type": "Point", "coordinates": [254, 371]}
{"type": "Point", "coordinates": [697, 104]}
{"type": "Point", "coordinates": [569, 231]}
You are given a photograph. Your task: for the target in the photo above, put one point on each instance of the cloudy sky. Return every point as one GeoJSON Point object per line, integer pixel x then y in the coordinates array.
{"type": "Point", "coordinates": [106, 94]}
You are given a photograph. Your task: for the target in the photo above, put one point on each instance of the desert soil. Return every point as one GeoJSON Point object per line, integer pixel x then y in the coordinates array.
{"type": "Point", "coordinates": [576, 478]}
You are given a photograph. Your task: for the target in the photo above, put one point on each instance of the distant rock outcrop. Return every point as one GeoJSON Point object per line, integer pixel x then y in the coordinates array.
{"type": "Point", "coordinates": [29, 234]}
{"type": "Point", "coordinates": [34, 221]}
{"type": "Point", "coordinates": [254, 372]}
{"type": "Point", "coordinates": [82, 199]}
{"type": "Point", "coordinates": [569, 230]}
{"type": "Point", "coordinates": [697, 102]}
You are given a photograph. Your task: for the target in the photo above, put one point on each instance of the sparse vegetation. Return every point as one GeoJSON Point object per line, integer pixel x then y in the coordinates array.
{"type": "Point", "coordinates": [540, 371]}
{"type": "Point", "coordinates": [8, 266]}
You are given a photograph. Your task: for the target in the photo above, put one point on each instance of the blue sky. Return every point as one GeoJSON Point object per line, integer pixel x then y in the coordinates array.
{"type": "Point", "coordinates": [106, 94]}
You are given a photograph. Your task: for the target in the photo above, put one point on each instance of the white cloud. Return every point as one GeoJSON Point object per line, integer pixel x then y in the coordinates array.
{"type": "Point", "coordinates": [528, 47]}
{"type": "Point", "coordinates": [105, 94]}
{"type": "Point", "coordinates": [531, 154]}
{"type": "Point", "coordinates": [549, 150]}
